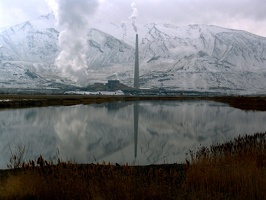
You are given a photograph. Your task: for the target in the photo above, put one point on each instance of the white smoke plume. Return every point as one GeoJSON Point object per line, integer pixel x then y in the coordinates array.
{"type": "Point", "coordinates": [73, 18]}
{"type": "Point", "coordinates": [133, 16]}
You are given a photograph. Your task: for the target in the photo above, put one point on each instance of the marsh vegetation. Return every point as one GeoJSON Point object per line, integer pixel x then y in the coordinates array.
{"type": "Point", "coordinates": [233, 170]}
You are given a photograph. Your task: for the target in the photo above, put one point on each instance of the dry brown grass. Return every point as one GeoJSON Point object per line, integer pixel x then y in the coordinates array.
{"type": "Point", "coordinates": [233, 170]}
{"type": "Point", "coordinates": [45, 180]}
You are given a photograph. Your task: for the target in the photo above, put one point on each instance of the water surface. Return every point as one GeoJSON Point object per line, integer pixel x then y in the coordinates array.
{"type": "Point", "coordinates": [150, 132]}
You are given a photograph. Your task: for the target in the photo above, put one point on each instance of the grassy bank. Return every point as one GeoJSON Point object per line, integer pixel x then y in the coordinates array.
{"type": "Point", "coordinates": [233, 170]}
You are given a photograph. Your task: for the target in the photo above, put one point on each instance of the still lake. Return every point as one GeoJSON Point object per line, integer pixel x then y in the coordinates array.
{"type": "Point", "coordinates": [139, 133]}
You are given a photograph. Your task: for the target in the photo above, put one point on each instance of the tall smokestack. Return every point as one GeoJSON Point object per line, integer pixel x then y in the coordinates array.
{"type": "Point", "coordinates": [136, 72]}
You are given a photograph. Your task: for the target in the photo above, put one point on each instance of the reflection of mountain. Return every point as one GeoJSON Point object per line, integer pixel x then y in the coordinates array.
{"type": "Point", "coordinates": [166, 130]}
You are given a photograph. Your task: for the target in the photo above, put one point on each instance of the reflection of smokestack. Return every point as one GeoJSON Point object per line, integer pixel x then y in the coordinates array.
{"type": "Point", "coordinates": [136, 72]}
{"type": "Point", "coordinates": [136, 127]}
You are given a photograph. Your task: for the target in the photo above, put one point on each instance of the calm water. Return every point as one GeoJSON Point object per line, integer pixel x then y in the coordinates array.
{"type": "Point", "coordinates": [137, 133]}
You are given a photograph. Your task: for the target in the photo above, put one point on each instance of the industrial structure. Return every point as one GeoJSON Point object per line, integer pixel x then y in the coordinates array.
{"type": "Point", "coordinates": [136, 71]}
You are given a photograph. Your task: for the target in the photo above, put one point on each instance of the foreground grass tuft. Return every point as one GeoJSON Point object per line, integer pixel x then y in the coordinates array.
{"type": "Point", "coordinates": [233, 170]}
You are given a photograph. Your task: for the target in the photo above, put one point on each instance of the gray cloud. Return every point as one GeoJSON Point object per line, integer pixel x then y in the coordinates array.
{"type": "Point", "coordinates": [202, 10]}
{"type": "Point", "coordinates": [238, 14]}
{"type": "Point", "coordinates": [17, 11]}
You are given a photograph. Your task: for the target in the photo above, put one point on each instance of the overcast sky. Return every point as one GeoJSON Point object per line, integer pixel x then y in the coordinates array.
{"type": "Point", "coordinates": [249, 15]}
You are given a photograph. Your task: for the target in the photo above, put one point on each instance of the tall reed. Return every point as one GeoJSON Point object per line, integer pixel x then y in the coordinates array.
{"type": "Point", "coordinates": [233, 170]}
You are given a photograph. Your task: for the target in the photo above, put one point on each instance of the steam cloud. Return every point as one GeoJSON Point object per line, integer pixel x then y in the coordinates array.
{"type": "Point", "coordinates": [133, 16]}
{"type": "Point", "coordinates": [73, 17]}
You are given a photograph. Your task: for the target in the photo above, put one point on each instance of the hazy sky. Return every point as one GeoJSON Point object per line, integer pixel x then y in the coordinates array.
{"type": "Point", "coordinates": [249, 15]}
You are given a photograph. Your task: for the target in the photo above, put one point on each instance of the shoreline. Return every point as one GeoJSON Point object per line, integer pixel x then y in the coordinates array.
{"type": "Point", "coordinates": [255, 103]}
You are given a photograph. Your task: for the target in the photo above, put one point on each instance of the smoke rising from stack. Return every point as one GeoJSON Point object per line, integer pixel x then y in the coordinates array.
{"type": "Point", "coordinates": [133, 16]}
{"type": "Point", "coordinates": [73, 17]}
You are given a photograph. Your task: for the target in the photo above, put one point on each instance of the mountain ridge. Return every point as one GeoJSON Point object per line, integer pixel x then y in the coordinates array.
{"type": "Point", "coordinates": [193, 57]}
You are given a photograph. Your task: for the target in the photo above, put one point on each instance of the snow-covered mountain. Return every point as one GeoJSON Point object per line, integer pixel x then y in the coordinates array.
{"type": "Point", "coordinates": [193, 57]}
